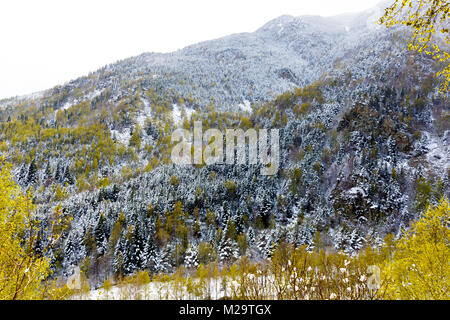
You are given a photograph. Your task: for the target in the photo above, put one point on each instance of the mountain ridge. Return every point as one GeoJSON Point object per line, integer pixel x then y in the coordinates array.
{"type": "Point", "coordinates": [188, 49]}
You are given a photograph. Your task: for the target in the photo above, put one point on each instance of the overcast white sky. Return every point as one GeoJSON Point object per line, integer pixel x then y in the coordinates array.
{"type": "Point", "coordinates": [48, 42]}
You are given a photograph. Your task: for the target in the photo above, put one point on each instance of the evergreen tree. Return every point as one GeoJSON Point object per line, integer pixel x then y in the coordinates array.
{"type": "Point", "coordinates": [59, 173]}
{"type": "Point", "coordinates": [32, 177]}
{"type": "Point", "coordinates": [71, 250]}
{"type": "Point", "coordinates": [67, 178]}
{"type": "Point", "coordinates": [118, 263]}
{"type": "Point", "coordinates": [355, 242]}
{"type": "Point", "coordinates": [100, 234]}
{"type": "Point", "coordinates": [22, 177]}
{"type": "Point", "coordinates": [150, 253]}
{"type": "Point", "coordinates": [115, 193]}
{"type": "Point", "coordinates": [228, 250]}
{"type": "Point", "coordinates": [163, 262]}
{"type": "Point", "coordinates": [89, 241]}
{"type": "Point", "coordinates": [133, 248]}
{"type": "Point", "coordinates": [191, 259]}
{"type": "Point", "coordinates": [47, 171]}
{"type": "Point", "coordinates": [251, 238]}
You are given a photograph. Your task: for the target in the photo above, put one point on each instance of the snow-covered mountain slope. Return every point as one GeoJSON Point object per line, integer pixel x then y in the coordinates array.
{"type": "Point", "coordinates": [286, 52]}
{"type": "Point", "coordinates": [364, 139]}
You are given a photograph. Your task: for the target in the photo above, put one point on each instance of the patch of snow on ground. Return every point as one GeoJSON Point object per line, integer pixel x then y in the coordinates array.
{"type": "Point", "coordinates": [67, 105]}
{"type": "Point", "coordinates": [177, 114]}
{"type": "Point", "coordinates": [34, 95]}
{"type": "Point", "coordinates": [246, 106]}
{"type": "Point", "coordinates": [355, 191]}
{"type": "Point", "coordinates": [146, 113]}
{"type": "Point", "coordinates": [189, 112]}
{"type": "Point", "coordinates": [122, 136]}
{"type": "Point", "coordinates": [94, 94]}
{"type": "Point", "coordinates": [280, 25]}
{"type": "Point", "coordinates": [162, 291]}
{"type": "Point", "coordinates": [438, 155]}
{"type": "Point", "coordinates": [4, 103]}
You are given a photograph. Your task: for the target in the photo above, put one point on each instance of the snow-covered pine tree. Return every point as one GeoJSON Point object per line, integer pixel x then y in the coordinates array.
{"type": "Point", "coordinates": [47, 171]}
{"type": "Point", "coordinates": [100, 234]}
{"type": "Point", "coordinates": [71, 249]}
{"type": "Point", "coordinates": [191, 259]}
{"type": "Point", "coordinates": [165, 259]}
{"type": "Point", "coordinates": [67, 178]}
{"type": "Point", "coordinates": [32, 177]}
{"type": "Point", "coordinates": [22, 176]}
{"type": "Point", "coordinates": [251, 237]}
{"type": "Point", "coordinates": [118, 264]}
{"type": "Point", "coordinates": [151, 253]}
{"type": "Point", "coordinates": [354, 243]}
{"type": "Point", "coordinates": [133, 253]}
{"type": "Point", "coordinates": [59, 174]}
{"type": "Point", "coordinates": [228, 251]}
{"type": "Point", "coordinates": [266, 245]}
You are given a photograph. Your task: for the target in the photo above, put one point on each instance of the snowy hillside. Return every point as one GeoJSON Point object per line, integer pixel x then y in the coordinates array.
{"type": "Point", "coordinates": [364, 145]}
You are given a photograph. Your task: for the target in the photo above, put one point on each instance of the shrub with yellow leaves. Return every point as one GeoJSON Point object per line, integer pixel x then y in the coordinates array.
{"type": "Point", "coordinates": [420, 264]}
{"type": "Point", "coordinates": [23, 273]}
{"type": "Point", "coordinates": [426, 18]}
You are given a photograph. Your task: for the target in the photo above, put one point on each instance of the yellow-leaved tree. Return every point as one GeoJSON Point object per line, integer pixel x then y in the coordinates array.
{"type": "Point", "coordinates": [23, 273]}
{"type": "Point", "coordinates": [428, 19]}
{"type": "Point", "coordinates": [420, 265]}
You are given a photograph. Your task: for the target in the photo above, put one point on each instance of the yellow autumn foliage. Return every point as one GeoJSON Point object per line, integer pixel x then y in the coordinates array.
{"type": "Point", "coordinates": [427, 18]}
{"type": "Point", "coordinates": [420, 265]}
{"type": "Point", "coordinates": [23, 274]}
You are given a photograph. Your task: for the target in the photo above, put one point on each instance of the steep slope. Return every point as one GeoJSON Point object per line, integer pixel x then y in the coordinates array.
{"type": "Point", "coordinates": [285, 53]}
{"type": "Point", "coordinates": [364, 147]}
